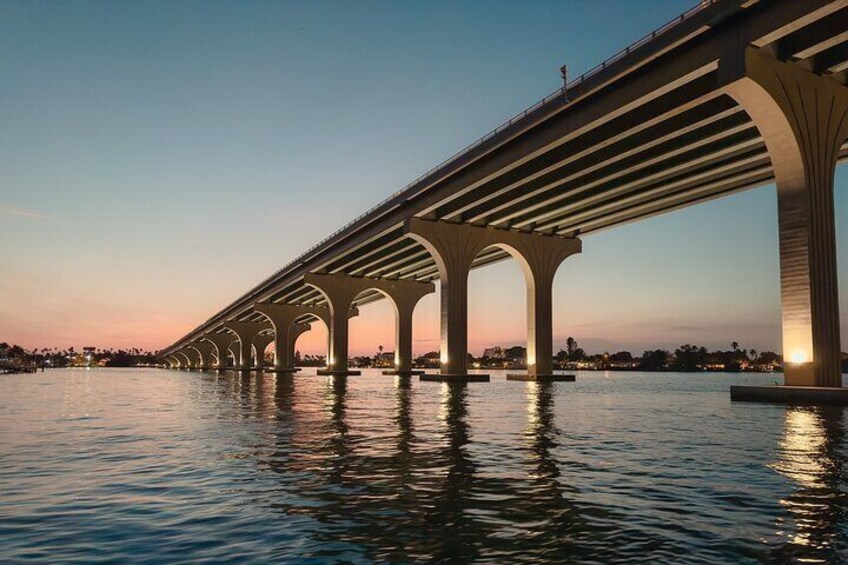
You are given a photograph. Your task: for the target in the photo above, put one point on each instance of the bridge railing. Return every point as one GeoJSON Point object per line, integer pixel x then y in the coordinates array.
{"type": "Point", "coordinates": [469, 148]}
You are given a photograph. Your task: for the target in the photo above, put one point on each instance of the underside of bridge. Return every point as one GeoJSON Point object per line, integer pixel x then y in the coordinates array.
{"type": "Point", "coordinates": [732, 95]}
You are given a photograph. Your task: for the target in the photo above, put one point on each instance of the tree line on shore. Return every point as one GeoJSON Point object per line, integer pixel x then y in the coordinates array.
{"type": "Point", "coordinates": [12, 356]}
{"type": "Point", "coordinates": [685, 358]}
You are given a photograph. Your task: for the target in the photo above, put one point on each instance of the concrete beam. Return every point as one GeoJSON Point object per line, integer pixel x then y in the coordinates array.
{"type": "Point", "coordinates": [803, 119]}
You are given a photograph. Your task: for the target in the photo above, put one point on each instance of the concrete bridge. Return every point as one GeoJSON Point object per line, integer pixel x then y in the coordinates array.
{"type": "Point", "coordinates": [731, 95]}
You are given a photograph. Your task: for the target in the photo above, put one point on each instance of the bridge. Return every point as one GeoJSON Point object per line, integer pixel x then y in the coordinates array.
{"type": "Point", "coordinates": [731, 95]}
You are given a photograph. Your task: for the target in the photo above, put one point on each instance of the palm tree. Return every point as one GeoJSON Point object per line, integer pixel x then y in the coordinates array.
{"type": "Point", "coordinates": [735, 346]}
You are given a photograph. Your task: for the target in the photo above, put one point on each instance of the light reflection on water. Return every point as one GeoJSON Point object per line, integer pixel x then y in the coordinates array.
{"type": "Point", "coordinates": [153, 466]}
{"type": "Point", "coordinates": [811, 453]}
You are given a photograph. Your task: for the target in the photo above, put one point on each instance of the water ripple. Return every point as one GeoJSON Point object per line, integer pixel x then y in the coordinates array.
{"type": "Point", "coordinates": [142, 466]}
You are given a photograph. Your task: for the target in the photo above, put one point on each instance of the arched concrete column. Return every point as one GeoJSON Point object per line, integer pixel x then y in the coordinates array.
{"type": "Point", "coordinates": [454, 247]}
{"type": "Point", "coordinates": [260, 342]}
{"type": "Point", "coordinates": [193, 356]}
{"type": "Point", "coordinates": [342, 290]}
{"type": "Point", "coordinates": [295, 331]}
{"type": "Point", "coordinates": [283, 316]}
{"type": "Point", "coordinates": [246, 331]}
{"type": "Point", "coordinates": [172, 361]}
{"type": "Point", "coordinates": [222, 342]}
{"type": "Point", "coordinates": [185, 360]}
{"type": "Point", "coordinates": [233, 350]}
{"type": "Point", "coordinates": [206, 350]}
{"type": "Point", "coordinates": [803, 119]}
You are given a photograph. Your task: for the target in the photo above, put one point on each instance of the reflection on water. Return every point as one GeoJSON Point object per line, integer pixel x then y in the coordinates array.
{"type": "Point", "coordinates": [812, 453]}
{"type": "Point", "coordinates": [293, 468]}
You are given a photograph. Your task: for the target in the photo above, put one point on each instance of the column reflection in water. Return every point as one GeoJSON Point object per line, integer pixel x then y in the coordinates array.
{"type": "Point", "coordinates": [541, 431]}
{"type": "Point", "coordinates": [554, 526]}
{"type": "Point", "coordinates": [338, 441]}
{"type": "Point", "coordinates": [246, 388]}
{"type": "Point", "coordinates": [812, 454]}
{"type": "Point", "coordinates": [283, 394]}
{"type": "Point", "coordinates": [454, 529]}
{"type": "Point", "coordinates": [405, 434]}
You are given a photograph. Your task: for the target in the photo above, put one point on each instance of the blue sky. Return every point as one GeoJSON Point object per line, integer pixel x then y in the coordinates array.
{"type": "Point", "coordinates": [157, 159]}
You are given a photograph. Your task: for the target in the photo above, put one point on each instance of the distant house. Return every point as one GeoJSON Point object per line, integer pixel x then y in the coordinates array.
{"type": "Point", "coordinates": [385, 359]}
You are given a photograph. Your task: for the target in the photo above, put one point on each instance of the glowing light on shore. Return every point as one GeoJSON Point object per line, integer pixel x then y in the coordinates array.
{"type": "Point", "coordinates": [798, 356]}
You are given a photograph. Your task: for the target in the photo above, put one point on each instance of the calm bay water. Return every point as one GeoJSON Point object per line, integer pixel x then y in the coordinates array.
{"type": "Point", "coordinates": [152, 466]}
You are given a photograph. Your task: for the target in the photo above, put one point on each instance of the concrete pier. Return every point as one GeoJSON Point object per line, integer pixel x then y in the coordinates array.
{"type": "Point", "coordinates": [206, 351]}
{"type": "Point", "coordinates": [222, 342]}
{"type": "Point", "coordinates": [246, 332]}
{"type": "Point", "coordinates": [786, 394]}
{"type": "Point", "coordinates": [803, 119]}
{"type": "Point", "coordinates": [454, 249]}
{"type": "Point", "coordinates": [454, 378]}
{"type": "Point", "coordinates": [185, 360]}
{"type": "Point", "coordinates": [288, 326]}
{"type": "Point", "coordinates": [260, 343]}
{"type": "Point", "coordinates": [341, 291]}
{"type": "Point", "coordinates": [549, 378]}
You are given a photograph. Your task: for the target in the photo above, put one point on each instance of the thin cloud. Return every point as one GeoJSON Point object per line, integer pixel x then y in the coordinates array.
{"type": "Point", "coordinates": [14, 211]}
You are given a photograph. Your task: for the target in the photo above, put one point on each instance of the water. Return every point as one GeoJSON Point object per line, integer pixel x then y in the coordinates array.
{"type": "Point", "coordinates": [152, 466]}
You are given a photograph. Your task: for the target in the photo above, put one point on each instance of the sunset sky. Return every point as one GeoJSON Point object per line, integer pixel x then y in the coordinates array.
{"type": "Point", "coordinates": [157, 159]}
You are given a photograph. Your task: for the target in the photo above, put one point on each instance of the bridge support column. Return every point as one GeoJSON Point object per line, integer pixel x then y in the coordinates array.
{"type": "Point", "coordinates": [295, 331]}
{"type": "Point", "coordinates": [340, 300]}
{"type": "Point", "coordinates": [454, 248]}
{"type": "Point", "coordinates": [206, 350]}
{"type": "Point", "coordinates": [246, 332]}
{"type": "Point", "coordinates": [342, 290]}
{"type": "Point", "coordinates": [260, 342]}
{"type": "Point", "coordinates": [172, 361]}
{"type": "Point", "coordinates": [195, 362]}
{"type": "Point", "coordinates": [233, 350]}
{"type": "Point", "coordinates": [803, 119]}
{"type": "Point", "coordinates": [222, 344]}
{"type": "Point", "coordinates": [185, 360]}
{"type": "Point", "coordinates": [286, 331]}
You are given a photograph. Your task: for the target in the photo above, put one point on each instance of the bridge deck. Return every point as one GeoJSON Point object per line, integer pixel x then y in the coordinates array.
{"type": "Point", "coordinates": [646, 132]}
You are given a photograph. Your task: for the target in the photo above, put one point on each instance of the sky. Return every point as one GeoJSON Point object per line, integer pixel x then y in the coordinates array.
{"type": "Point", "coordinates": [158, 159]}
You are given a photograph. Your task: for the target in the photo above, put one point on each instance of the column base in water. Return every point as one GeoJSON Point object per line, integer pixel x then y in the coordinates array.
{"type": "Point", "coordinates": [338, 373]}
{"type": "Point", "coordinates": [453, 378]}
{"type": "Point", "coordinates": [551, 378]}
{"type": "Point", "coordinates": [784, 394]}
